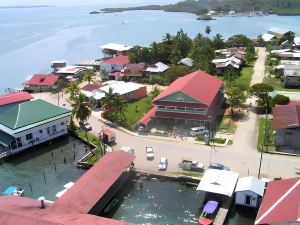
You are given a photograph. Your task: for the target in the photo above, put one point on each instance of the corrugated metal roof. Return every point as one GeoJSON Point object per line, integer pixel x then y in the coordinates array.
{"type": "Point", "coordinates": [42, 80]}
{"type": "Point", "coordinates": [198, 85]}
{"type": "Point", "coordinates": [147, 118]}
{"type": "Point", "coordinates": [87, 191]}
{"type": "Point", "coordinates": [116, 47]}
{"type": "Point", "coordinates": [286, 116]}
{"type": "Point", "coordinates": [281, 202]}
{"type": "Point", "coordinates": [14, 97]}
{"type": "Point", "coordinates": [30, 112]}
{"type": "Point", "coordinates": [118, 60]}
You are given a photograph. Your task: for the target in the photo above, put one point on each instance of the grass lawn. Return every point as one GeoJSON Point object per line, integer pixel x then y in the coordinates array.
{"type": "Point", "coordinates": [261, 133]}
{"type": "Point", "coordinates": [277, 84]}
{"type": "Point", "coordinates": [136, 110]}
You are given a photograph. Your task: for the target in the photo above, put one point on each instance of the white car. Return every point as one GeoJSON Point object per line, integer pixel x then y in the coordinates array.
{"type": "Point", "coordinates": [198, 131]}
{"type": "Point", "coordinates": [163, 164]}
{"type": "Point", "coordinates": [127, 149]}
{"type": "Point", "coordinates": [197, 165]}
{"type": "Point", "coordinates": [149, 153]}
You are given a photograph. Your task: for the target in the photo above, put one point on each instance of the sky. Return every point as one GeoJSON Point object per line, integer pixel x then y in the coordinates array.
{"type": "Point", "coordinates": [81, 2]}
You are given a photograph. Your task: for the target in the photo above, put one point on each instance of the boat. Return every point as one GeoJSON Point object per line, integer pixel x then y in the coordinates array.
{"type": "Point", "coordinates": [209, 212]}
{"type": "Point", "coordinates": [111, 205]}
{"type": "Point", "coordinates": [94, 12]}
{"type": "Point", "coordinates": [12, 190]}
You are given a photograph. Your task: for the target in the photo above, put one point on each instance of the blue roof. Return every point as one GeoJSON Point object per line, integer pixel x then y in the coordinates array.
{"type": "Point", "coordinates": [210, 206]}
{"type": "Point", "coordinates": [10, 190]}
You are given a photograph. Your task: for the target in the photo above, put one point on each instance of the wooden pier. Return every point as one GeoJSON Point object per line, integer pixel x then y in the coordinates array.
{"type": "Point", "coordinates": [222, 213]}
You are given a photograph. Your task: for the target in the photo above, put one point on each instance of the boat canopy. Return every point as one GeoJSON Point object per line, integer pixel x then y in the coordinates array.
{"type": "Point", "coordinates": [10, 190]}
{"type": "Point", "coordinates": [210, 207]}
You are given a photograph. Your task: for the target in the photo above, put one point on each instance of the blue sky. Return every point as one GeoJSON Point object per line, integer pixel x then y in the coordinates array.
{"type": "Point", "coordinates": [82, 2]}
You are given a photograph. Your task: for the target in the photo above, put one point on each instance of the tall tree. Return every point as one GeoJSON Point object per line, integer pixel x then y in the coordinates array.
{"type": "Point", "coordinates": [236, 97]}
{"type": "Point", "coordinates": [108, 102]}
{"type": "Point", "coordinates": [81, 110]}
{"type": "Point", "coordinates": [88, 76]}
{"type": "Point", "coordinates": [238, 40]}
{"type": "Point", "coordinates": [103, 74]}
{"type": "Point", "coordinates": [230, 75]}
{"type": "Point", "coordinates": [262, 91]}
{"type": "Point", "coordinates": [218, 42]}
{"type": "Point", "coordinates": [121, 106]}
{"type": "Point", "coordinates": [207, 30]}
{"type": "Point", "coordinates": [72, 89]}
{"type": "Point", "coordinates": [250, 53]}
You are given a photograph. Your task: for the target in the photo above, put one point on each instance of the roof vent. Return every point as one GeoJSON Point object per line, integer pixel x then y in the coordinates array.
{"type": "Point", "coordinates": [42, 200]}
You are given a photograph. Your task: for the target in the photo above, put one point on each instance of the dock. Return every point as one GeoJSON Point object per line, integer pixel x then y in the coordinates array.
{"type": "Point", "coordinates": [222, 213]}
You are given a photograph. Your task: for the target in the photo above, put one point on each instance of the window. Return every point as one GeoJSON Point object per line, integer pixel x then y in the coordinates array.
{"type": "Point", "coordinates": [161, 107]}
{"type": "Point", "coordinates": [53, 128]}
{"type": "Point", "coordinates": [41, 131]}
{"type": "Point", "coordinates": [62, 123]}
{"type": "Point", "coordinates": [48, 130]}
{"type": "Point", "coordinates": [170, 107]}
{"type": "Point", "coordinates": [181, 108]}
{"type": "Point", "coordinates": [28, 136]}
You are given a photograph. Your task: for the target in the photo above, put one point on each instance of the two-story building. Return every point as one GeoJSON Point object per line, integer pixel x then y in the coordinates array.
{"type": "Point", "coordinates": [41, 82]}
{"type": "Point", "coordinates": [194, 99]}
{"type": "Point", "coordinates": [31, 123]}
{"type": "Point", "coordinates": [114, 66]}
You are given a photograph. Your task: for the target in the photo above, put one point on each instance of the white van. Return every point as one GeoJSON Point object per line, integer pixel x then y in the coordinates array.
{"type": "Point", "coordinates": [127, 149]}
{"type": "Point", "coordinates": [163, 164]}
{"type": "Point", "coordinates": [198, 131]}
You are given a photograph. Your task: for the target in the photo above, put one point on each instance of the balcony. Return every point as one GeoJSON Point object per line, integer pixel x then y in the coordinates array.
{"type": "Point", "coordinates": [182, 110]}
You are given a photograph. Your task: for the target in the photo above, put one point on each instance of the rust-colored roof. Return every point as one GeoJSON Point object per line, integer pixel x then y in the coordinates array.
{"type": "Point", "coordinates": [91, 87]}
{"type": "Point", "coordinates": [198, 85]}
{"type": "Point", "coordinates": [14, 97]}
{"type": "Point", "coordinates": [281, 202]}
{"type": "Point", "coordinates": [286, 116]}
{"type": "Point", "coordinates": [118, 60]}
{"type": "Point", "coordinates": [147, 118]}
{"type": "Point", "coordinates": [42, 80]}
{"type": "Point", "coordinates": [86, 192]}
{"type": "Point", "coordinates": [73, 206]}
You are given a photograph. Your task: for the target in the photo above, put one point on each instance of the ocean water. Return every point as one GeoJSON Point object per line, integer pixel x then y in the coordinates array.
{"type": "Point", "coordinates": [32, 37]}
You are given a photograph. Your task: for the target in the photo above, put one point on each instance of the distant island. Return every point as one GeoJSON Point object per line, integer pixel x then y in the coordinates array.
{"type": "Point", "coordinates": [223, 7]}
{"type": "Point", "coordinates": [24, 6]}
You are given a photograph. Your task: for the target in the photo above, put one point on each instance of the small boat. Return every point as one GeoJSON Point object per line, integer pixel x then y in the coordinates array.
{"type": "Point", "coordinates": [111, 205]}
{"type": "Point", "coordinates": [12, 190]}
{"type": "Point", "coordinates": [209, 211]}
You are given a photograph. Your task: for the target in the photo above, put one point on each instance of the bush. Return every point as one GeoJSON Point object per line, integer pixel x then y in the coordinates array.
{"type": "Point", "coordinates": [281, 100]}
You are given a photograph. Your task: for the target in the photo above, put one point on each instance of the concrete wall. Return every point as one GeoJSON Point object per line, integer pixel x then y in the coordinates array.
{"type": "Point", "coordinates": [41, 134]}
{"type": "Point", "coordinates": [288, 138]}
{"type": "Point", "coordinates": [140, 93]}
{"type": "Point", "coordinates": [240, 198]}
{"type": "Point", "coordinates": [111, 67]}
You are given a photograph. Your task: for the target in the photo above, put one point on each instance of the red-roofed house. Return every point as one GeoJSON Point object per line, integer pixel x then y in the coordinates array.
{"type": "Point", "coordinates": [194, 99]}
{"type": "Point", "coordinates": [41, 82]}
{"type": "Point", "coordinates": [114, 66]}
{"type": "Point", "coordinates": [79, 205]}
{"type": "Point", "coordinates": [8, 101]}
{"type": "Point", "coordinates": [281, 203]}
{"type": "Point", "coordinates": [286, 123]}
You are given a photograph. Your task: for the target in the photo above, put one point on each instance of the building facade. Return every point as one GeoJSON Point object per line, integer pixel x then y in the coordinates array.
{"type": "Point", "coordinates": [31, 123]}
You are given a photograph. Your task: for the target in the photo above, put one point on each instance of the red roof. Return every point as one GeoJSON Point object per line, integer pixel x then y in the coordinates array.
{"type": "Point", "coordinates": [281, 202]}
{"type": "Point", "coordinates": [86, 192]}
{"type": "Point", "coordinates": [107, 132]}
{"type": "Point", "coordinates": [42, 80]}
{"type": "Point", "coordinates": [147, 118]}
{"type": "Point", "coordinates": [91, 87]}
{"type": "Point", "coordinates": [14, 97]}
{"type": "Point", "coordinates": [198, 85]}
{"type": "Point", "coordinates": [294, 103]}
{"type": "Point", "coordinates": [73, 206]}
{"type": "Point", "coordinates": [286, 116]}
{"type": "Point", "coordinates": [118, 60]}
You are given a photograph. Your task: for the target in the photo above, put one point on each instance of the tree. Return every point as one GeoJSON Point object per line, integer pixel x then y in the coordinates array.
{"type": "Point", "coordinates": [281, 100]}
{"type": "Point", "coordinates": [88, 76]}
{"type": "Point", "coordinates": [207, 30]}
{"type": "Point", "coordinates": [103, 74]}
{"type": "Point", "coordinates": [174, 72]}
{"type": "Point", "coordinates": [155, 91]}
{"type": "Point", "coordinates": [238, 40]}
{"type": "Point", "coordinates": [134, 54]}
{"type": "Point", "coordinates": [202, 58]}
{"type": "Point", "coordinates": [236, 97]}
{"type": "Point", "coordinates": [218, 42]}
{"type": "Point", "coordinates": [261, 91]}
{"type": "Point", "coordinates": [230, 75]}
{"type": "Point", "coordinates": [250, 53]}
{"type": "Point", "coordinates": [72, 89]}
{"type": "Point", "coordinates": [81, 110]}
{"type": "Point", "coordinates": [120, 105]}
{"type": "Point", "coordinates": [108, 102]}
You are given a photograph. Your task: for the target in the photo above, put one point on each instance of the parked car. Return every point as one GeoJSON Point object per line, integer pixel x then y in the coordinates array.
{"type": "Point", "coordinates": [149, 153]}
{"type": "Point", "coordinates": [127, 149]}
{"type": "Point", "coordinates": [192, 165]}
{"type": "Point", "coordinates": [163, 164]}
{"type": "Point", "coordinates": [198, 131]}
{"type": "Point", "coordinates": [218, 166]}
{"type": "Point", "coordinates": [85, 125]}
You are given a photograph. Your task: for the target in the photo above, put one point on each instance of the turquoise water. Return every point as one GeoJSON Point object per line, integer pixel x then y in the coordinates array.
{"type": "Point", "coordinates": [164, 202]}
{"type": "Point", "coordinates": [32, 37]}
{"type": "Point", "coordinates": [41, 171]}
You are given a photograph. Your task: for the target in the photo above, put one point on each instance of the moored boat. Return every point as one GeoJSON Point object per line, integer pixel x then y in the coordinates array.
{"type": "Point", "coordinates": [12, 190]}
{"type": "Point", "coordinates": [209, 212]}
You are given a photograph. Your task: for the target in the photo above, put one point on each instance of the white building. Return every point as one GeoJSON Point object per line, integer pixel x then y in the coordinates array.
{"type": "Point", "coordinates": [249, 191]}
{"type": "Point", "coordinates": [71, 71]}
{"type": "Point", "coordinates": [157, 68]}
{"type": "Point", "coordinates": [186, 61]}
{"type": "Point", "coordinates": [31, 123]}
{"type": "Point", "coordinates": [115, 64]}
{"type": "Point", "coordinates": [113, 49]}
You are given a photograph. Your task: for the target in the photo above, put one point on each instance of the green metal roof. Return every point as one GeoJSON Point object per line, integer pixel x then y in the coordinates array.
{"type": "Point", "coordinates": [31, 112]}
{"type": "Point", "coordinates": [5, 139]}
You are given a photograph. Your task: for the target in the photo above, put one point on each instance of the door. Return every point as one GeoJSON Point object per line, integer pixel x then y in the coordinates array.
{"type": "Point", "coordinates": [288, 139]}
{"type": "Point", "coordinates": [248, 200]}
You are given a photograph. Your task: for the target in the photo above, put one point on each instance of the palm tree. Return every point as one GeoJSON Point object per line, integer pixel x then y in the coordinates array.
{"type": "Point", "coordinates": [207, 30]}
{"type": "Point", "coordinates": [108, 101]}
{"type": "Point", "coordinates": [88, 76]}
{"type": "Point", "coordinates": [121, 106]}
{"type": "Point", "coordinates": [72, 89]}
{"type": "Point", "coordinates": [103, 74]}
{"type": "Point", "coordinates": [155, 91]}
{"type": "Point", "coordinates": [167, 38]}
{"type": "Point", "coordinates": [81, 110]}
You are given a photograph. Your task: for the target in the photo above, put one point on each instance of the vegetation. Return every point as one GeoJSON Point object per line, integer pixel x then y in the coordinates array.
{"type": "Point", "coordinates": [227, 125]}
{"type": "Point", "coordinates": [236, 97]}
{"type": "Point", "coordinates": [261, 91]}
{"type": "Point", "coordinates": [88, 76]}
{"type": "Point", "coordinates": [155, 91]}
{"type": "Point", "coordinates": [199, 7]}
{"type": "Point", "coordinates": [212, 140]}
{"type": "Point", "coordinates": [281, 100]}
{"type": "Point", "coordinates": [72, 89]}
{"type": "Point", "coordinates": [265, 134]}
